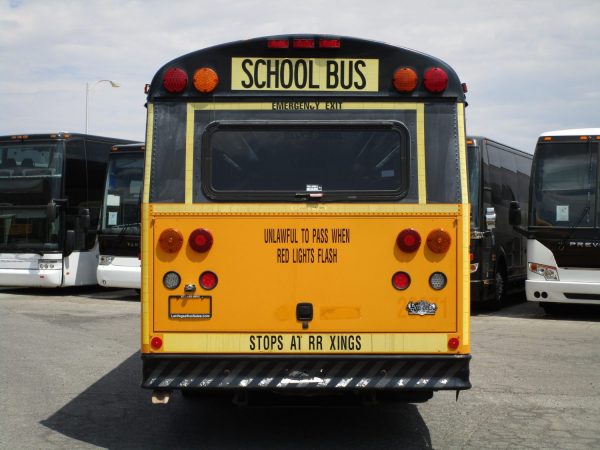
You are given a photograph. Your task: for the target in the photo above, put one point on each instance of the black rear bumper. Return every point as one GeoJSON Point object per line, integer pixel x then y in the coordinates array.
{"type": "Point", "coordinates": [306, 373]}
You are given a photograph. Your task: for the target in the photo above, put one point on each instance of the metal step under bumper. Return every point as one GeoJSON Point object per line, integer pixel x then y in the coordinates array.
{"type": "Point", "coordinates": [306, 373]}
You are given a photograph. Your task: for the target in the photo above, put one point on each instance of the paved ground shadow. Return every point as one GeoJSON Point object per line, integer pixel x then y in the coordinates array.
{"type": "Point", "coordinates": [116, 413]}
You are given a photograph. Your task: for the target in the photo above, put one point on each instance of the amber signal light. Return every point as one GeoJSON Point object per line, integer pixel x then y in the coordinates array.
{"type": "Point", "coordinates": [405, 79]}
{"type": "Point", "coordinates": [439, 241]}
{"type": "Point", "coordinates": [205, 80]}
{"type": "Point", "coordinates": [170, 240]}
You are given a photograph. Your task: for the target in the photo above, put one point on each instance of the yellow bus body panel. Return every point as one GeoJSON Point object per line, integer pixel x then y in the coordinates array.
{"type": "Point", "coordinates": [338, 258]}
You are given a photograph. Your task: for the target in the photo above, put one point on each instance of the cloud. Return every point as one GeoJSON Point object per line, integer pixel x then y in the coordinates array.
{"type": "Point", "coordinates": [529, 65]}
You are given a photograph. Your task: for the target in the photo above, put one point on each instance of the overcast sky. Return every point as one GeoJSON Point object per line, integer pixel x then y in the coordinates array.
{"type": "Point", "coordinates": [531, 66]}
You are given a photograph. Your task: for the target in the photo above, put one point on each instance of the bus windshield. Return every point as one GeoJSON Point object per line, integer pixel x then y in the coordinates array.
{"type": "Point", "coordinates": [30, 172]}
{"type": "Point", "coordinates": [270, 159]}
{"type": "Point", "coordinates": [474, 170]}
{"type": "Point", "coordinates": [122, 195]}
{"type": "Point", "coordinates": [565, 185]}
{"type": "Point", "coordinates": [30, 176]}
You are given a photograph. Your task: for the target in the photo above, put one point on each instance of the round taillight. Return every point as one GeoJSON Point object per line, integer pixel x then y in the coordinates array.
{"type": "Point", "coordinates": [405, 79]}
{"type": "Point", "coordinates": [435, 80]}
{"type": "Point", "coordinates": [171, 280]}
{"type": "Point", "coordinates": [208, 280]}
{"type": "Point", "coordinates": [201, 240]}
{"type": "Point", "coordinates": [156, 343]}
{"type": "Point", "coordinates": [401, 280]}
{"type": "Point", "coordinates": [438, 281]}
{"type": "Point", "coordinates": [439, 241]}
{"type": "Point", "coordinates": [175, 80]}
{"type": "Point", "coordinates": [453, 343]}
{"type": "Point", "coordinates": [170, 240]}
{"type": "Point", "coordinates": [408, 240]}
{"type": "Point", "coordinates": [205, 80]}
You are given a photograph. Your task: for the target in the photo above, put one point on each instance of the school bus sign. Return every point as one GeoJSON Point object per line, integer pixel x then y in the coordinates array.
{"type": "Point", "coordinates": [305, 74]}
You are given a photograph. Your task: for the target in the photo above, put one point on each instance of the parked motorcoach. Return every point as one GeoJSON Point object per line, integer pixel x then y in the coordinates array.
{"type": "Point", "coordinates": [119, 234]}
{"type": "Point", "coordinates": [563, 224]}
{"type": "Point", "coordinates": [50, 202]}
{"type": "Point", "coordinates": [498, 175]}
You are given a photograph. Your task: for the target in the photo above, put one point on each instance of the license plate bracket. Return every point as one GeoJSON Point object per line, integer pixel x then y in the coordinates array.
{"type": "Point", "coordinates": [190, 307]}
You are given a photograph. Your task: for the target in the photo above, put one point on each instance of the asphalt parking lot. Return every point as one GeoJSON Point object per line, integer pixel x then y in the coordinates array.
{"type": "Point", "coordinates": [70, 372]}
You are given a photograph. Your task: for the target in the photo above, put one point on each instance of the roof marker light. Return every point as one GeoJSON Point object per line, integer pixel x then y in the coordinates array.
{"type": "Point", "coordinates": [329, 43]}
{"type": "Point", "coordinates": [435, 80]}
{"type": "Point", "coordinates": [278, 43]}
{"type": "Point", "coordinates": [303, 43]}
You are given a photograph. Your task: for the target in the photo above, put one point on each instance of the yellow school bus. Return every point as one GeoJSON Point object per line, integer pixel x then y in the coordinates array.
{"type": "Point", "coordinates": [305, 222]}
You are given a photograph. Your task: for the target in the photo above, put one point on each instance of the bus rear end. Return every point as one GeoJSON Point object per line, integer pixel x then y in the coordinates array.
{"type": "Point", "coordinates": [305, 239]}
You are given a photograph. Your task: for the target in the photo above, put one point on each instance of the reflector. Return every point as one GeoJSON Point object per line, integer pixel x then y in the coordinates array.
{"type": "Point", "coordinates": [156, 343]}
{"type": "Point", "coordinates": [170, 240]}
{"type": "Point", "coordinates": [438, 241]}
{"type": "Point", "coordinates": [453, 343]}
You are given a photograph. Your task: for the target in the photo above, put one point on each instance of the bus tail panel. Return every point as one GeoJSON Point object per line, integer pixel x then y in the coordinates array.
{"type": "Point", "coordinates": [304, 274]}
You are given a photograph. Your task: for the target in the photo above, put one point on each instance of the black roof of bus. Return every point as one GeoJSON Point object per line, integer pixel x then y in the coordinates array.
{"type": "Point", "coordinates": [390, 58]}
{"type": "Point", "coordinates": [61, 135]}
{"type": "Point", "coordinates": [476, 140]}
{"type": "Point", "coordinates": [135, 147]}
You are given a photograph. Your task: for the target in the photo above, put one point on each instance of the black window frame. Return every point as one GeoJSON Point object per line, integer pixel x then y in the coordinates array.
{"type": "Point", "coordinates": [281, 195]}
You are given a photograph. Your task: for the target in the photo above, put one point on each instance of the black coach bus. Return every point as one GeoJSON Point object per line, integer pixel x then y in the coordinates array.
{"type": "Point", "coordinates": [498, 175]}
{"type": "Point", "coordinates": [50, 201]}
{"type": "Point", "coordinates": [119, 234]}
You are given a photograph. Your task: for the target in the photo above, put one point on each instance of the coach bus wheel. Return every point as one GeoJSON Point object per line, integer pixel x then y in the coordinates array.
{"type": "Point", "coordinates": [499, 290]}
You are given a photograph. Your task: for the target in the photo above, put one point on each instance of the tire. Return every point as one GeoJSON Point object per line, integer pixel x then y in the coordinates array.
{"type": "Point", "coordinates": [551, 308]}
{"type": "Point", "coordinates": [499, 290]}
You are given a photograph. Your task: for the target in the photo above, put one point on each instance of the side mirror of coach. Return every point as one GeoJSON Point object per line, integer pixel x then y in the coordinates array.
{"type": "Point", "coordinates": [514, 214]}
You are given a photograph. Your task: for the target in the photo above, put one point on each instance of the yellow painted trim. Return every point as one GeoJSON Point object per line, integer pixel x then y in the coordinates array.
{"type": "Point", "coordinates": [146, 285]}
{"type": "Point", "coordinates": [306, 208]}
{"type": "Point", "coordinates": [465, 232]}
{"type": "Point", "coordinates": [145, 295]}
{"type": "Point", "coordinates": [189, 155]}
{"type": "Point", "coordinates": [268, 106]}
{"type": "Point", "coordinates": [149, 151]}
{"type": "Point", "coordinates": [421, 172]}
{"type": "Point", "coordinates": [419, 108]}
{"type": "Point", "coordinates": [370, 343]}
